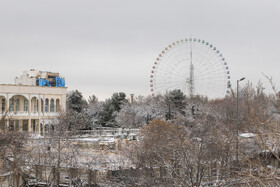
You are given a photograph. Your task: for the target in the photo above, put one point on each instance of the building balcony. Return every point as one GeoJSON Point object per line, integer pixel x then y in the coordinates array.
{"type": "Point", "coordinates": [18, 113]}
{"type": "Point", "coordinates": [51, 114]}
{"type": "Point", "coordinates": [34, 114]}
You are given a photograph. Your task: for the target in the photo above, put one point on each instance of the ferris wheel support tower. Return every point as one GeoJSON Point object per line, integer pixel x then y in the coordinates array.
{"type": "Point", "coordinates": [191, 82]}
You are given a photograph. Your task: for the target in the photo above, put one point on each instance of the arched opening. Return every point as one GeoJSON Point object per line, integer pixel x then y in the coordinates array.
{"type": "Point", "coordinates": [34, 104]}
{"type": "Point", "coordinates": [18, 103]}
{"type": "Point", "coordinates": [42, 105]}
{"type": "Point", "coordinates": [3, 103]}
{"type": "Point", "coordinates": [52, 105]}
{"type": "Point", "coordinates": [11, 105]}
{"type": "Point", "coordinates": [57, 105]}
{"type": "Point", "coordinates": [47, 105]}
{"type": "Point", "coordinates": [25, 105]}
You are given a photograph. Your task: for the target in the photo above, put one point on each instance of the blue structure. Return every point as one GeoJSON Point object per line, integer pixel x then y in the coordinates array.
{"type": "Point", "coordinates": [43, 82]}
{"type": "Point", "coordinates": [59, 81]}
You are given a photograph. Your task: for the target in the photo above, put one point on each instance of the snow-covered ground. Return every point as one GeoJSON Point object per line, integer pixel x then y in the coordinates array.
{"type": "Point", "coordinates": [85, 151]}
{"type": "Point", "coordinates": [92, 139]}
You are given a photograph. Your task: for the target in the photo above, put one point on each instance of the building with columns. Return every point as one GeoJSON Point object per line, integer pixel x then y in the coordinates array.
{"type": "Point", "coordinates": [33, 102]}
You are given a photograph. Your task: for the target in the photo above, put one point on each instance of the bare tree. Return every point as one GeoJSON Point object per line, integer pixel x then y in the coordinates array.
{"type": "Point", "coordinates": [13, 154]}
{"type": "Point", "coordinates": [56, 149]}
{"type": "Point", "coordinates": [186, 158]}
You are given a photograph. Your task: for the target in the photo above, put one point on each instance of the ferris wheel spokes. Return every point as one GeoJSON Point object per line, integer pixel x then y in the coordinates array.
{"type": "Point", "coordinates": [193, 66]}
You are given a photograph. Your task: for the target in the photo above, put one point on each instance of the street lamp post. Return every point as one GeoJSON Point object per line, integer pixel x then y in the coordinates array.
{"type": "Point", "coordinates": [237, 116]}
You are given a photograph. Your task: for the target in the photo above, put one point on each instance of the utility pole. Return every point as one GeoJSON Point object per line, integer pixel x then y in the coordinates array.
{"type": "Point", "coordinates": [237, 117]}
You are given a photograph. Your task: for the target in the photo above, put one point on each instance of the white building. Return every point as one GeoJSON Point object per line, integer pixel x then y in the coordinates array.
{"type": "Point", "coordinates": [31, 107]}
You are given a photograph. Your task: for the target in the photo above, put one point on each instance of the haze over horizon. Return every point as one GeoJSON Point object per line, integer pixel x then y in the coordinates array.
{"type": "Point", "coordinates": [102, 47]}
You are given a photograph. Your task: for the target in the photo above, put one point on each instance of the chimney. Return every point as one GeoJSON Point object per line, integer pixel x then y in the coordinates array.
{"type": "Point", "coordinates": [131, 98]}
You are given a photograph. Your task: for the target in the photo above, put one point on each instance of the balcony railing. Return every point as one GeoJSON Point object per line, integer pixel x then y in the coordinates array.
{"type": "Point", "coordinates": [34, 114]}
{"type": "Point", "coordinates": [110, 132]}
{"type": "Point", "coordinates": [18, 113]}
{"type": "Point", "coordinates": [51, 114]}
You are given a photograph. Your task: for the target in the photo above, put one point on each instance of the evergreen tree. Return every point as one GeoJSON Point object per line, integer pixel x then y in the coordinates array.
{"type": "Point", "coordinates": [75, 112]}
{"type": "Point", "coordinates": [110, 109]}
{"type": "Point", "coordinates": [176, 103]}
{"type": "Point", "coordinates": [92, 99]}
{"type": "Point", "coordinates": [117, 100]}
{"type": "Point", "coordinates": [75, 101]}
{"type": "Point", "coordinates": [107, 115]}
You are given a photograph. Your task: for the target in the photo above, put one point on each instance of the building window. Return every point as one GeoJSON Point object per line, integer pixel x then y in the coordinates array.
{"type": "Point", "coordinates": [25, 105]}
{"type": "Point", "coordinates": [33, 122]}
{"type": "Point", "coordinates": [3, 105]}
{"type": "Point", "coordinates": [25, 125]}
{"type": "Point", "coordinates": [34, 102]}
{"type": "Point", "coordinates": [11, 125]}
{"type": "Point", "coordinates": [36, 105]}
{"type": "Point", "coordinates": [41, 128]}
{"type": "Point", "coordinates": [11, 105]}
{"type": "Point", "coordinates": [17, 105]}
{"type": "Point", "coordinates": [52, 106]}
{"type": "Point", "coordinates": [17, 124]}
{"type": "Point", "coordinates": [57, 105]}
{"type": "Point", "coordinates": [42, 105]}
{"type": "Point", "coordinates": [47, 105]}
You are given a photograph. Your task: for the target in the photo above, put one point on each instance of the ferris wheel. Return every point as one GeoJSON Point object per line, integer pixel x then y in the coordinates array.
{"type": "Point", "coordinates": [192, 65]}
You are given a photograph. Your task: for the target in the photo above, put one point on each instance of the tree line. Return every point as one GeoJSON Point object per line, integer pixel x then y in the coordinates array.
{"type": "Point", "coordinates": [117, 111]}
{"type": "Point", "coordinates": [193, 140]}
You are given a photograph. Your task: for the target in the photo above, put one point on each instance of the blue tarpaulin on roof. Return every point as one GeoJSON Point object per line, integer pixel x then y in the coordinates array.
{"type": "Point", "coordinates": [43, 82]}
{"type": "Point", "coordinates": [60, 82]}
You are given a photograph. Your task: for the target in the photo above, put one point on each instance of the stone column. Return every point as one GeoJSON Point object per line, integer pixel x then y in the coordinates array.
{"type": "Point", "coordinates": [30, 128]}
{"type": "Point", "coordinates": [7, 108]}
{"type": "Point", "coordinates": [39, 105]}
{"type": "Point", "coordinates": [44, 104]}
{"type": "Point", "coordinates": [29, 125]}
{"type": "Point", "coordinates": [29, 105]}
{"type": "Point", "coordinates": [39, 111]}
{"type": "Point", "coordinates": [20, 125]}
{"type": "Point", "coordinates": [39, 126]}
{"type": "Point", "coordinates": [7, 102]}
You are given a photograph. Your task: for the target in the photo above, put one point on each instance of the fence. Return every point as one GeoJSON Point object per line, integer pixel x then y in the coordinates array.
{"type": "Point", "coordinates": [112, 132]}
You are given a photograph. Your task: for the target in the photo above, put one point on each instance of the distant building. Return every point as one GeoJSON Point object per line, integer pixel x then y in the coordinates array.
{"type": "Point", "coordinates": [33, 101]}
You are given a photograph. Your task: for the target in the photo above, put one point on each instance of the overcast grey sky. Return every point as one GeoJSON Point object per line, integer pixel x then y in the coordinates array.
{"type": "Point", "coordinates": [107, 46]}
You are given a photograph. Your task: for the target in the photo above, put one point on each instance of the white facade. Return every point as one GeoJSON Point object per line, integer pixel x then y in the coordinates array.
{"type": "Point", "coordinates": [31, 108]}
{"type": "Point", "coordinates": [27, 78]}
